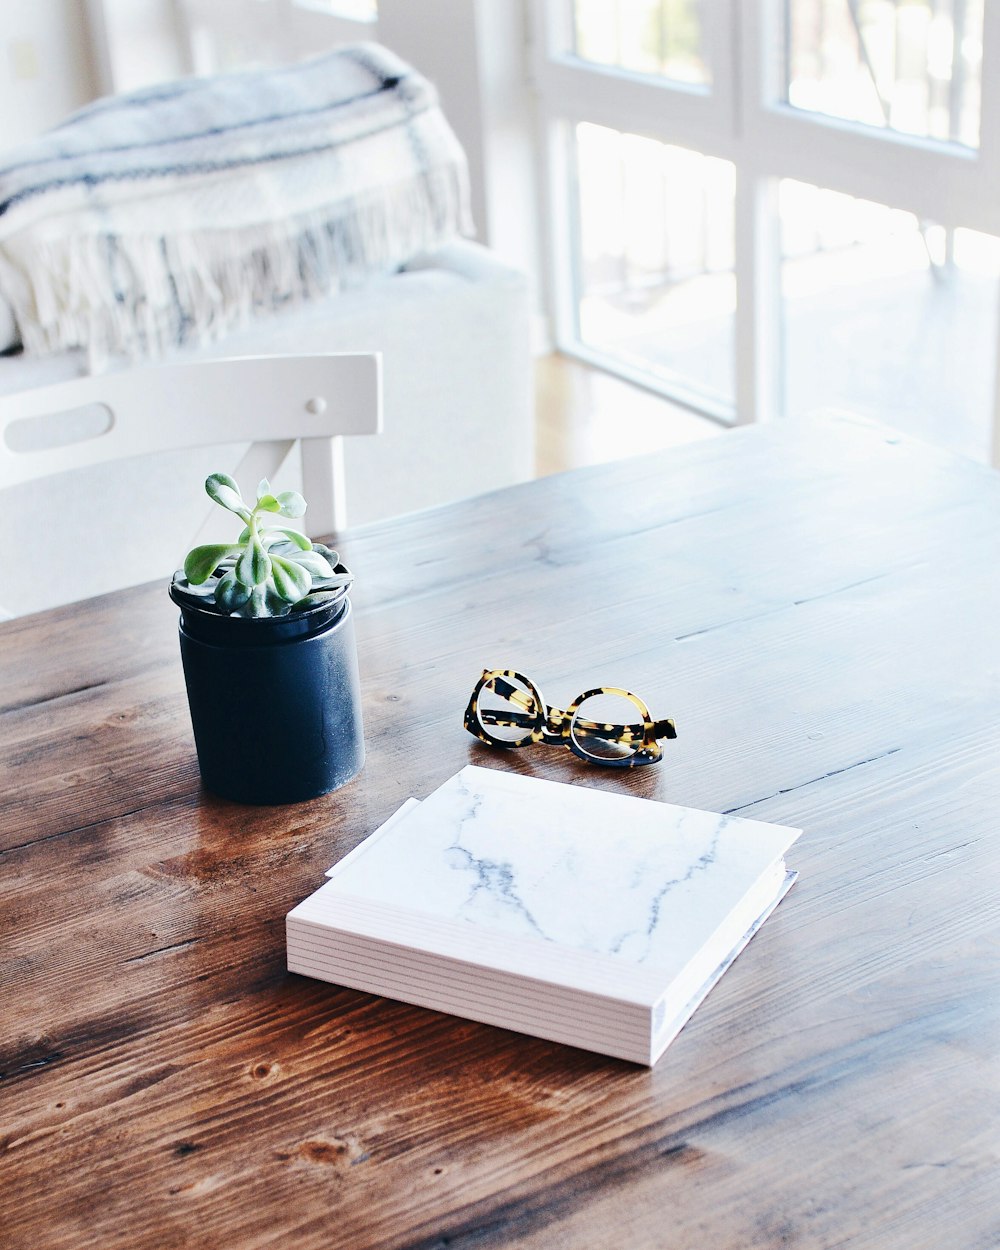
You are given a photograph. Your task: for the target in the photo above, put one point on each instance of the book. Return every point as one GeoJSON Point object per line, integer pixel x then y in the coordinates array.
{"type": "Point", "coordinates": [584, 916]}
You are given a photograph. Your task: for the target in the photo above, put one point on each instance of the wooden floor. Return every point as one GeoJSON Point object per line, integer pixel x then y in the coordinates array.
{"type": "Point", "coordinates": [586, 416]}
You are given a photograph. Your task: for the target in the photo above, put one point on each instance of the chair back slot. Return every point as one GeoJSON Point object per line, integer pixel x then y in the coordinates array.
{"type": "Point", "coordinates": [64, 428]}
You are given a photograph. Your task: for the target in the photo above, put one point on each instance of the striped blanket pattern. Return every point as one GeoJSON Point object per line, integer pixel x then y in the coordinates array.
{"type": "Point", "coordinates": [171, 215]}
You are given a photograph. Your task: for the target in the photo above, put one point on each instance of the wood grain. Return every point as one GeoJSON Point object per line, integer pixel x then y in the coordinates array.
{"type": "Point", "coordinates": [816, 605]}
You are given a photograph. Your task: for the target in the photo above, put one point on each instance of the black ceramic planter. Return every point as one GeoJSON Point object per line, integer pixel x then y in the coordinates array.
{"type": "Point", "coordinates": [275, 702]}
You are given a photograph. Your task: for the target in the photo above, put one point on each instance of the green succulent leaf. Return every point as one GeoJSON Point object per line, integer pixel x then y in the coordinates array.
{"type": "Point", "coordinates": [317, 596]}
{"type": "Point", "coordinates": [202, 562]}
{"type": "Point", "coordinates": [222, 488]}
{"type": "Point", "coordinates": [336, 580]}
{"type": "Point", "coordinates": [312, 562]}
{"type": "Point", "coordinates": [254, 566]}
{"type": "Point", "coordinates": [268, 503]}
{"type": "Point", "coordinates": [231, 594]}
{"type": "Point", "coordinates": [257, 604]}
{"type": "Point", "coordinates": [291, 580]}
{"type": "Point", "coordinates": [295, 536]}
{"type": "Point", "coordinates": [291, 503]}
{"type": "Point", "coordinates": [263, 488]}
{"type": "Point", "coordinates": [277, 606]}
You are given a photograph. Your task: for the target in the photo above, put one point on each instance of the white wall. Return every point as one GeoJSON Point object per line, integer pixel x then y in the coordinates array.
{"type": "Point", "coordinates": [46, 66]}
{"type": "Point", "coordinates": [136, 42]}
{"type": "Point", "coordinates": [476, 53]}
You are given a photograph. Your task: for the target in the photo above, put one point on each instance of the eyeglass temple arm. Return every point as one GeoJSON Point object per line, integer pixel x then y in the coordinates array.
{"type": "Point", "coordinates": [520, 698]}
{"type": "Point", "coordinates": [661, 729]}
{"type": "Point", "coordinates": [490, 716]}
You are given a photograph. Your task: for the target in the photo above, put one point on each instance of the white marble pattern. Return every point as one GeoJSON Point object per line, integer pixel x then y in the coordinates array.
{"type": "Point", "coordinates": [360, 849]}
{"type": "Point", "coordinates": [643, 882]}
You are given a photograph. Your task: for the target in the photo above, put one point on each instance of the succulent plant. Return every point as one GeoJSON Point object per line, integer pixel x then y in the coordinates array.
{"type": "Point", "coordinates": [270, 570]}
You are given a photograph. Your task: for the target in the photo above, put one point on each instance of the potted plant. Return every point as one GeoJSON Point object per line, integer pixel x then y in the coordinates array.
{"type": "Point", "coordinates": [267, 644]}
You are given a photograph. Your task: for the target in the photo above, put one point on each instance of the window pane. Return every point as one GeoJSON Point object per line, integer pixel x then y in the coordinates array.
{"type": "Point", "coordinates": [907, 65]}
{"type": "Point", "coordinates": [888, 318]}
{"type": "Point", "coordinates": [354, 10]}
{"type": "Point", "coordinates": [662, 37]}
{"type": "Point", "coordinates": [655, 282]}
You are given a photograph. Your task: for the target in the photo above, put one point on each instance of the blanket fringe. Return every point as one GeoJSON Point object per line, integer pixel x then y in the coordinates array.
{"type": "Point", "coordinates": [194, 287]}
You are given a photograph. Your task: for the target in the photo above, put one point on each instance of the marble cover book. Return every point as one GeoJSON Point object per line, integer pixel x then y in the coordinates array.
{"type": "Point", "coordinates": [580, 915]}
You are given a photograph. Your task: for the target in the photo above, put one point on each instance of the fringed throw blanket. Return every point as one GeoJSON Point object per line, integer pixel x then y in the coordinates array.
{"type": "Point", "coordinates": [169, 216]}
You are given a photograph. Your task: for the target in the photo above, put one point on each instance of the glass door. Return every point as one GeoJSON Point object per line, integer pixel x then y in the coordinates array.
{"type": "Point", "coordinates": [910, 66]}
{"type": "Point", "coordinates": [771, 208]}
{"type": "Point", "coordinates": [639, 110]}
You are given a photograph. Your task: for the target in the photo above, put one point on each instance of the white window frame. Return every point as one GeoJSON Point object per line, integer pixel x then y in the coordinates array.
{"type": "Point", "coordinates": [741, 118]}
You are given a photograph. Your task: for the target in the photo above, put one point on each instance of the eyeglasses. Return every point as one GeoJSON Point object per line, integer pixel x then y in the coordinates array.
{"type": "Point", "coordinates": [600, 725]}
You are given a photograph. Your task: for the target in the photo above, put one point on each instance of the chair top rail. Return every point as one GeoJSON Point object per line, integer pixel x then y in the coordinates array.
{"type": "Point", "coordinates": [191, 404]}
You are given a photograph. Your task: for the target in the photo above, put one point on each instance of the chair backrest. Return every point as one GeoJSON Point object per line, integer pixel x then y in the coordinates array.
{"type": "Point", "coordinates": [195, 404]}
{"type": "Point", "coordinates": [269, 402]}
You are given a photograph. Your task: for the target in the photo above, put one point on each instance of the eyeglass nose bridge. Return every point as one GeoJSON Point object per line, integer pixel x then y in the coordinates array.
{"type": "Point", "coordinates": [553, 726]}
{"type": "Point", "coordinates": [554, 719]}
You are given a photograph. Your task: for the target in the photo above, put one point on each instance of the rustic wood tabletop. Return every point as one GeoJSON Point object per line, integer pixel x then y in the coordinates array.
{"type": "Point", "coordinates": [817, 606]}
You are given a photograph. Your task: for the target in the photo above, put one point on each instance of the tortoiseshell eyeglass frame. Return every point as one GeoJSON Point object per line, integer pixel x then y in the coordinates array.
{"type": "Point", "coordinates": [555, 727]}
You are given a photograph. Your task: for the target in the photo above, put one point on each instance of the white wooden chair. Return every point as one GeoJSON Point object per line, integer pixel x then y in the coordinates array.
{"type": "Point", "coordinates": [268, 401]}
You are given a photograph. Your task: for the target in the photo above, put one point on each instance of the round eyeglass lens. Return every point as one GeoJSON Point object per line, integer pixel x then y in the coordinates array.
{"type": "Point", "coordinates": [607, 727]}
{"type": "Point", "coordinates": [507, 710]}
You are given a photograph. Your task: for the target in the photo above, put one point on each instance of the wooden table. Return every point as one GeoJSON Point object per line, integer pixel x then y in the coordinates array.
{"type": "Point", "coordinates": [816, 605]}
